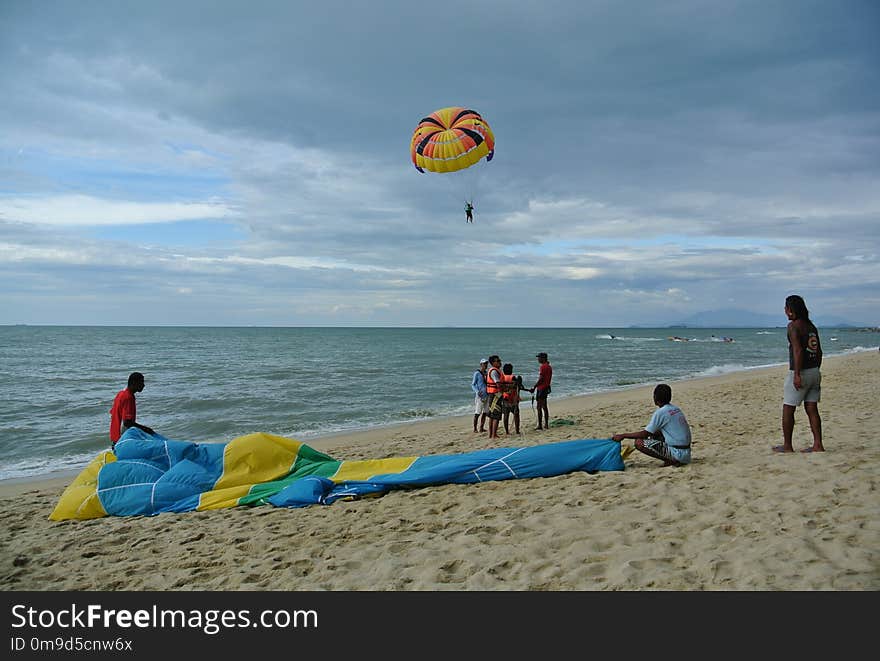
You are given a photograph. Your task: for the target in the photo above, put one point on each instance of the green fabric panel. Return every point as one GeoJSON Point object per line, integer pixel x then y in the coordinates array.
{"type": "Point", "coordinates": [308, 462]}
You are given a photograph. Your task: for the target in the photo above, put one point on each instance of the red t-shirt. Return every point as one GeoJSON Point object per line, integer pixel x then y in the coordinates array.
{"type": "Point", "coordinates": [124, 408]}
{"type": "Point", "coordinates": [545, 375]}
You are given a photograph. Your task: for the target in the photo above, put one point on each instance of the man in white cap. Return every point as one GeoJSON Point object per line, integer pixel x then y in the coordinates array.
{"type": "Point", "coordinates": [478, 385]}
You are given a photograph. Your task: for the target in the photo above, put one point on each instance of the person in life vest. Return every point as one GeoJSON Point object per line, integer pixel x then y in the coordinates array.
{"type": "Point", "coordinates": [494, 383]}
{"type": "Point", "coordinates": [510, 397]}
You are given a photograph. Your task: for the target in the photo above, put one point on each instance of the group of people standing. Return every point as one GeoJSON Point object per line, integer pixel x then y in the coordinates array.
{"type": "Point", "coordinates": [497, 394]}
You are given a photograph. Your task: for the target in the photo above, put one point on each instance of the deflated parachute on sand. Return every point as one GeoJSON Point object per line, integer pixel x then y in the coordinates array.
{"type": "Point", "coordinates": [152, 474]}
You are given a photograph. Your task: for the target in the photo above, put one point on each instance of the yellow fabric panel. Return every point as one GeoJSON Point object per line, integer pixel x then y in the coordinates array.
{"type": "Point", "coordinates": [445, 114]}
{"type": "Point", "coordinates": [475, 155]}
{"type": "Point", "coordinates": [80, 499]}
{"type": "Point", "coordinates": [444, 149]}
{"type": "Point", "coordinates": [220, 498]}
{"type": "Point", "coordinates": [256, 458]}
{"type": "Point", "coordinates": [364, 470]}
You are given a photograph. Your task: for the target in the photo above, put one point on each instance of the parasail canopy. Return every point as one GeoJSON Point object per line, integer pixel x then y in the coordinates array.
{"type": "Point", "coordinates": [451, 139]}
{"type": "Point", "coordinates": [150, 474]}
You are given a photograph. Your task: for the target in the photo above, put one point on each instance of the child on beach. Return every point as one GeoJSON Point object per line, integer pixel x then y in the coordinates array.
{"type": "Point", "coordinates": [510, 397]}
{"type": "Point", "coordinates": [667, 436]}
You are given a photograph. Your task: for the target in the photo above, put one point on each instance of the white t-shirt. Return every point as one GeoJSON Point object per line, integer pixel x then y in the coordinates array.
{"type": "Point", "coordinates": [676, 431]}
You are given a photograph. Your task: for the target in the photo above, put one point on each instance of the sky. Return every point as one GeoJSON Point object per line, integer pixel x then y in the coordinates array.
{"type": "Point", "coordinates": [247, 163]}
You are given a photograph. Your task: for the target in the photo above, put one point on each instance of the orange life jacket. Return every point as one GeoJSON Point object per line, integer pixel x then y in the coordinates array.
{"type": "Point", "coordinates": [493, 387]}
{"type": "Point", "coordinates": [509, 389]}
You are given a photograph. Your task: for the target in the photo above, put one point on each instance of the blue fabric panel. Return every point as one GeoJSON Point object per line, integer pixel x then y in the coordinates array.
{"type": "Point", "coordinates": [303, 492]}
{"type": "Point", "coordinates": [587, 455]}
{"type": "Point", "coordinates": [154, 474]}
{"type": "Point", "coordinates": [185, 479]}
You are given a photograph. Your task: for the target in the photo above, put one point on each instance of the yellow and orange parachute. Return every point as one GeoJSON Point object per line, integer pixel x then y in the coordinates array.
{"type": "Point", "coordinates": [451, 139]}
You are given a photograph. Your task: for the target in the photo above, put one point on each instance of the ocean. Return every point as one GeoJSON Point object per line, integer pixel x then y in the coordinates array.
{"type": "Point", "coordinates": [212, 384]}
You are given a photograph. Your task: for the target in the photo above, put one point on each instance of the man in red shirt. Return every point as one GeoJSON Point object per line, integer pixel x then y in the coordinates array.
{"type": "Point", "coordinates": [542, 389]}
{"type": "Point", "coordinates": [123, 414]}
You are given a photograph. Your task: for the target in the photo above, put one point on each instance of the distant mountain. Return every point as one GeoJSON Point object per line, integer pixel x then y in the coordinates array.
{"type": "Point", "coordinates": [747, 319]}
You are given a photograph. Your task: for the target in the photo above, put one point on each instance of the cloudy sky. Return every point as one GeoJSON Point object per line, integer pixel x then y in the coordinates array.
{"type": "Point", "coordinates": [247, 163]}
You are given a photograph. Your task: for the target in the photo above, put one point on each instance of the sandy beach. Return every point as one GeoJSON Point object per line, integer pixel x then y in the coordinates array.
{"type": "Point", "coordinates": [740, 517]}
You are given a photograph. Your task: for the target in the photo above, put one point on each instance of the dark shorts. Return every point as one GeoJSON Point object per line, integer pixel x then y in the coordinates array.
{"type": "Point", "coordinates": [509, 407]}
{"type": "Point", "coordinates": [541, 393]}
{"type": "Point", "coordinates": [493, 410]}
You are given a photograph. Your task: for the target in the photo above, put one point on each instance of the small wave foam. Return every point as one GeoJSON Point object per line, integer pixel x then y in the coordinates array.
{"type": "Point", "coordinates": [43, 467]}
{"type": "Point", "coordinates": [728, 368]}
{"type": "Point", "coordinates": [858, 349]}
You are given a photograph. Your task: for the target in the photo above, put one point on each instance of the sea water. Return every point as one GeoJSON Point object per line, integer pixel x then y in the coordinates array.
{"type": "Point", "coordinates": [213, 384]}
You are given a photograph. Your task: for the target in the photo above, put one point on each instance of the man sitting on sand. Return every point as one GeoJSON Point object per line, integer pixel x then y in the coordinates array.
{"type": "Point", "coordinates": [667, 436]}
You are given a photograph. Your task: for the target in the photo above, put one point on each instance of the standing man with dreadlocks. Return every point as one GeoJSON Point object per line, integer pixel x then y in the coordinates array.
{"type": "Point", "coordinates": [803, 384]}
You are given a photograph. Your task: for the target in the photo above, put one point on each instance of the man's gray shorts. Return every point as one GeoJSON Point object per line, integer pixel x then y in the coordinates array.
{"type": "Point", "coordinates": [811, 387]}
{"type": "Point", "coordinates": [658, 445]}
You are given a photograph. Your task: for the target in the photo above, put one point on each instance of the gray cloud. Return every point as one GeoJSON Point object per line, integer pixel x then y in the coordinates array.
{"type": "Point", "coordinates": [652, 161]}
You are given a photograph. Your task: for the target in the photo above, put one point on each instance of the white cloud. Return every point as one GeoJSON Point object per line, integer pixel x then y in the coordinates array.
{"type": "Point", "coordinates": [84, 210]}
